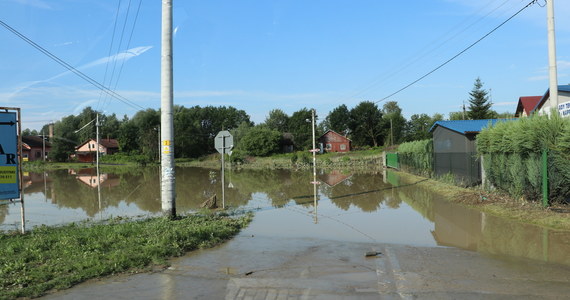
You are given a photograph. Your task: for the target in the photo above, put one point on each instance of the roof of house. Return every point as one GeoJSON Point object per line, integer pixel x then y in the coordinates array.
{"type": "Point", "coordinates": [35, 141]}
{"type": "Point", "coordinates": [334, 132]}
{"type": "Point", "coordinates": [526, 104]}
{"type": "Point", "coordinates": [561, 88]}
{"type": "Point", "coordinates": [466, 126]}
{"type": "Point", "coordinates": [107, 143]}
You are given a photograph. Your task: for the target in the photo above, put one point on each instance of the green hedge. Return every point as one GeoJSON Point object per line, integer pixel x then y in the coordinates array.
{"type": "Point", "coordinates": [417, 157]}
{"type": "Point", "coordinates": [512, 156]}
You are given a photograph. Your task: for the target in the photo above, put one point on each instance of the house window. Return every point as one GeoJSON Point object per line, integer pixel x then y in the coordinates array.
{"type": "Point", "coordinates": [329, 146]}
{"type": "Point", "coordinates": [342, 147]}
{"type": "Point", "coordinates": [38, 154]}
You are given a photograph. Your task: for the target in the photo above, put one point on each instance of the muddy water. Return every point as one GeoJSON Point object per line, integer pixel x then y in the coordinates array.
{"type": "Point", "coordinates": [351, 207]}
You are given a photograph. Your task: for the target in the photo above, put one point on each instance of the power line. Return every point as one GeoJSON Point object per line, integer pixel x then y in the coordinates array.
{"type": "Point", "coordinates": [458, 54]}
{"type": "Point", "coordinates": [72, 69]}
{"type": "Point", "coordinates": [430, 48]}
{"type": "Point", "coordinates": [128, 44]}
{"type": "Point", "coordinates": [119, 47]}
{"type": "Point", "coordinates": [110, 51]}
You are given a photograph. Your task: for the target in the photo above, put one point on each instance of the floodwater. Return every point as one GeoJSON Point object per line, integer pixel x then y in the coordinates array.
{"type": "Point", "coordinates": [353, 207]}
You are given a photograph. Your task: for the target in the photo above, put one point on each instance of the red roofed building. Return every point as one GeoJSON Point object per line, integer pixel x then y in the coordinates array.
{"type": "Point", "coordinates": [86, 151]}
{"type": "Point", "coordinates": [526, 105]}
{"type": "Point", "coordinates": [334, 142]}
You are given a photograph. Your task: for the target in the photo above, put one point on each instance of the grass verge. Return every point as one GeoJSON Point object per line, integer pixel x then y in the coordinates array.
{"type": "Point", "coordinates": [53, 258]}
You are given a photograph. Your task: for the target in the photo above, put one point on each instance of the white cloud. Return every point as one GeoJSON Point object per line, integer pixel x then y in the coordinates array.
{"type": "Point", "coordinates": [134, 52]}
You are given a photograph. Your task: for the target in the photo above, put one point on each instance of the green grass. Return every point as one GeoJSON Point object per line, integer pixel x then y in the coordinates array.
{"type": "Point", "coordinates": [50, 258]}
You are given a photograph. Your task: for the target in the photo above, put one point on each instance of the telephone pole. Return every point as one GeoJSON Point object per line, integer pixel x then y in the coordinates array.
{"type": "Point", "coordinates": [167, 186]}
{"type": "Point", "coordinates": [552, 56]}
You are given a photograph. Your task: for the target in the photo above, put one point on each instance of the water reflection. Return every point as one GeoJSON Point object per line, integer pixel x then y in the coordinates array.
{"type": "Point", "coordinates": [347, 206]}
{"type": "Point", "coordinates": [458, 226]}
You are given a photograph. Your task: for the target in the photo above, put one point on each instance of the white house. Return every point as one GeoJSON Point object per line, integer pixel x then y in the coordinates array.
{"type": "Point", "coordinates": [543, 106]}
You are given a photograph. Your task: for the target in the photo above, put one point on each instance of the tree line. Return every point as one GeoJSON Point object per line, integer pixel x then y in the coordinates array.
{"type": "Point", "coordinates": [195, 128]}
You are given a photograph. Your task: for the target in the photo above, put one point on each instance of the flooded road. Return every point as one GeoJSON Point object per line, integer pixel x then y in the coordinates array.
{"type": "Point", "coordinates": [348, 207]}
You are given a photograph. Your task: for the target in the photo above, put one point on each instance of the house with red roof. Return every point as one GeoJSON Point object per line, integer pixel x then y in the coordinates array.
{"type": "Point", "coordinates": [335, 142]}
{"type": "Point", "coordinates": [86, 152]}
{"type": "Point", "coordinates": [526, 105]}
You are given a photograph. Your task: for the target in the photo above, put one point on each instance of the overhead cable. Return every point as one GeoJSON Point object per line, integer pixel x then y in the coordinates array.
{"type": "Point", "coordinates": [73, 69]}
{"type": "Point", "coordinates": [458, 54]}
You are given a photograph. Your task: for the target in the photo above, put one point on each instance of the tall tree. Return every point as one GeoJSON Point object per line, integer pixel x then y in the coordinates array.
{"type": "Point", "coordinates": [65, 139]}
{"type": "Point", "coordinates": [457, 115]}
{"type": "Point", "coordinates": [300, 127]}
{"type": "Point", "coordinates": [338, 120]}
{"type": "Point", "coordinates": [261, 141]}
{"type": "Point", "coordinates": [417, 128]}
{"type": "Point", "coordinates": [479, 104]}
{"type": "Point", "coordinates": [366, 124]}
{"type": "Point", "coordinates": [395, 122]}
{"type": "Point", "coordinates": [277, 120]}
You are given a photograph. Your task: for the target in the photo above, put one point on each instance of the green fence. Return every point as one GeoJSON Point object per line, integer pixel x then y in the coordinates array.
{"type": "Point", "coordinates": [392, 160]}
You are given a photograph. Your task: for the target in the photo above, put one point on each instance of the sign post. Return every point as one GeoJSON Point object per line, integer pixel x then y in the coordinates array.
{"type": "Point", "coordinates": [9, 181]}
{"type": "Point", "coordinates": [224, 142]}
{"type": "Point", "coordinates": [10, 157]}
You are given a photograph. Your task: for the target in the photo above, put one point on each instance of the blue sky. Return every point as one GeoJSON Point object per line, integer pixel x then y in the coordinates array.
{"type": "Point", "coordinates": [286, 54]}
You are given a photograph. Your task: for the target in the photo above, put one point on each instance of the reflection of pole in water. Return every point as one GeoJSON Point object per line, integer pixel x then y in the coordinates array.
{"type": "Point", "coordinates": [315, 204]}
{"type": "Point", "coordinates": [314, 150]}
{"type": "Point", "coordinates": [45, 187]}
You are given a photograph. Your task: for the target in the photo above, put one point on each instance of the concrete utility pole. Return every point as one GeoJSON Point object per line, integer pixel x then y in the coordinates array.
{"type": "Point", "coordinates": [552, 56]}
{"type": "Point", "coordinates": [167, 186]}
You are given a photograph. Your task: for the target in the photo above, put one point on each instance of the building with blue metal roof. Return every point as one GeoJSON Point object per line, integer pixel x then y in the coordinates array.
{"type": "Point", "coordinates": [455, 150]}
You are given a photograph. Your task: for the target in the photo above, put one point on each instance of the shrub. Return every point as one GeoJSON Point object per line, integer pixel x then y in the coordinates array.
{"type": "Point", "coordinates": [512, 153]}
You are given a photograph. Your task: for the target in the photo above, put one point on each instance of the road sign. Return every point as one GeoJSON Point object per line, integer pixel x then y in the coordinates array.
{"type": "Point", "coordinates": [224, 142]}
{"type": "Point", "coordinates": [9, 187]}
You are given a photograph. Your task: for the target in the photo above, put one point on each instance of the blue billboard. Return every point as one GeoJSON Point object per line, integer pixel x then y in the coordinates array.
{"type": "Point", "coordinates": [9, 179]}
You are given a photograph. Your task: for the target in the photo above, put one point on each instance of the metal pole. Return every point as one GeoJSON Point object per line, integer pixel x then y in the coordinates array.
{"type": "Point", "coordinates": [552, 56]}
{"type": "Point", "coordinates": [97, 146]}
{"type": "Point", "coordinates": [20, 174]}
{"type": "Point", "coordinates": [391, 133]}
{"type": "Point", "coordinates": [314, 167]}
{"type": "Point", "coordinates": [314, 145]}
{"type": "Point", "coordinates": [544, 178]}
{"type": "Point", "coordinates": [223, 174]}
{"type": "Point", "coordinates": [97, 166]}
{"type": "Point", "coordinates": [167, 187]}
{"type": "Point", "coordinates": [43, 146]}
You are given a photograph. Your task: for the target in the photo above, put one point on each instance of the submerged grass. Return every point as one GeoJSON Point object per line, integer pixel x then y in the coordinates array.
{"type": "Point", "coordinates": [49, 258]}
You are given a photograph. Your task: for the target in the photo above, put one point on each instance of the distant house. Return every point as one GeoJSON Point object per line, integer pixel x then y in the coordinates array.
{"type": "Point", "coordinates": [526, 105]}
{"type": "Point", "coordinates": [543, 106]}
{"type": "Point", "coordinates": [335, 142]}
{"type": "Point", "coordinates": [86, 152]}
{"type": "Point", "coordinates": [455, 150]}
{"type": "Point", "coordinates": [33, 146]}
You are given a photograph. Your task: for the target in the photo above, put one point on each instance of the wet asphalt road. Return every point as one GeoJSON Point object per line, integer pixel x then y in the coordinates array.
{"type": "Point", "coordinates": [262, 267]}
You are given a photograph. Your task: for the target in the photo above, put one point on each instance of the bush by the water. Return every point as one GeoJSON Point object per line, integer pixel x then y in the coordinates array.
{"type": "Point", "coordinates": [417, 157]}
{"type": "Point", "coordinates": [512, 153]}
